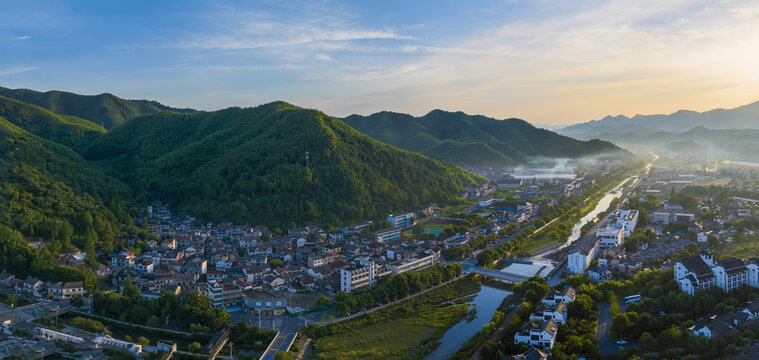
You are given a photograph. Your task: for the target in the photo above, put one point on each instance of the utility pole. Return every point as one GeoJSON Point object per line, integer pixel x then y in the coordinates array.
{"type": "Point", "coordinates": [306, 158]}
{"type": "Point", "coordinates": [231, 355]}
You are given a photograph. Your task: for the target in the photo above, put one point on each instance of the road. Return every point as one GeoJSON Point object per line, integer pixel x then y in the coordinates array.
{"type": "Point", "coordinates": [281, 342]}
{"type": "Point", "coordinates": [607, 345]}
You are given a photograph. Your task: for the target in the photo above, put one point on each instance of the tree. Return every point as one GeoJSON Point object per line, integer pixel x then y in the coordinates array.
{"type": "Point", "coordinates": [275, 263]}
{"type": "Point", "coordinates": [322, 301]}
{"type": "Point", "coordinates": [194, 347]}
{"type": "Point", "coordinates": [90, 237]}
{"type": "Point", "coordinates": [581, 307]}
{"type": "Point", "coordinates": [713, 241]}
{"type": "Point", "coordinates": [143, 341]}
{"type": "Point", "coordinates": [646, 338]}
{"type": "Point", "coordinates": [620, 326]}
{"type": "Point", "coordinates": [282, 355]}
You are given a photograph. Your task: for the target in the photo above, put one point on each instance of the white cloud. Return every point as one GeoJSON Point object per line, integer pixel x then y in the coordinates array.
{"type": "Point", "coordinates": [600, 58]}
{"type": "Point", "coordinates": [25, 37]}
{"type": "Point", "coordinates": [16, 70]}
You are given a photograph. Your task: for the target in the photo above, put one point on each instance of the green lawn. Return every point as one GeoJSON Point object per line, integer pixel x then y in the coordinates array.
{"type": "Point", "coordinates": [437, 226]}
{"type": "Point", "coordinates": [407, 331]}
{"type": "Point", "coordinates": [743, 247]}
{"type": "Point", "coordinates": [539, 242]}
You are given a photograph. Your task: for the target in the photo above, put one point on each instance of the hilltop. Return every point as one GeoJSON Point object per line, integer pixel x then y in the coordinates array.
{"type": "Point", "coordinates": [105, 109]}
{"type": "Point", "coordinates": [473, 140]}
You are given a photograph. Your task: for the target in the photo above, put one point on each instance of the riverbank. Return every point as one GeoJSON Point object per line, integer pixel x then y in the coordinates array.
{"type": "Point", "coordinates": [409, 330]}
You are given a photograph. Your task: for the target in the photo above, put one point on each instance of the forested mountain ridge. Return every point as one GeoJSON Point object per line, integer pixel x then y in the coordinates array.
{"type": "Point", "coordinates": [70, 131]}
{"type": "Point", "coordinates": [49, 191]}
{"type": "Point", "coordinates": [248, 165]}
{"type": "Point", "coordinates": [105, 109]}
{"type": "Point", "coordinates": [473, 140]}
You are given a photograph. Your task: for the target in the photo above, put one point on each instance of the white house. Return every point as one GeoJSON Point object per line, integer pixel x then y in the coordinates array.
{"type": "Point", "coordinates": [581, 254]}
{"type": "Point", "coordinates": [557, 313]}
{"type": "Point", "coordinates": [629, 220]}
{"type": "Point", "coordinates": [566, 296]}
{"type": "Point", "coordinates": [610, 236]}
{"type": "Point", "coordinates": [538, 334]}
{"type": "Point", "coordinates": [145, 266]}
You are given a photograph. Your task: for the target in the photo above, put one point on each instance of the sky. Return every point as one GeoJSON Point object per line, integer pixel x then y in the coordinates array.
{"type": "Point", "coordinates": [548, 62]}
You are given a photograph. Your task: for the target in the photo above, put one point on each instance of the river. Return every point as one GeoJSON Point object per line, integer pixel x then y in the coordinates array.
{"type": "Point", "coordinates": [600, 207]}
{"type": "Point", "coordinates": [486, 302]}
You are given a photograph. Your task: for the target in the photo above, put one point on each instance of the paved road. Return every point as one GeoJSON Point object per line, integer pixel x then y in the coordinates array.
{"type": "Point", "coordinates": [607, 345]}
{"type": "Point", "coordinates": [281, 342]}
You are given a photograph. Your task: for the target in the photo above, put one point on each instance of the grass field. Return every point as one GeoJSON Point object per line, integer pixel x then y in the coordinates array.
{"type": "Point", "coordinates": [407, 331]}
{"type": "Point", "coordinates": [741, 247]}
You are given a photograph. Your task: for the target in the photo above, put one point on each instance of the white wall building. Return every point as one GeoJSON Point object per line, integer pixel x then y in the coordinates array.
{"type": "Point", "coordinates": [581, 254]}
{"type": "Point", "coordinates": [699, 272]}
{"type": "Point", "coordinates": [611, 236]}
{"type": "Point", "coordinates": [357, 276]}
{"type": "Point", "coordinates": [535, 334]}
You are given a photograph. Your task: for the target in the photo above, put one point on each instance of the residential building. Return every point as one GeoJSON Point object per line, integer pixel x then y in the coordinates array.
{"type": "Point", "coordinates": [566, 296]}
{"type": "Point", "coordinates": [401, 220]}
{"type": "Point", "coordinates": [581, 254]}
{"type": "Point", "coordinates": [386, 235]}
{"type": "Point", "coordinates": [628, 219]}
{"type": "Point", "coordinates": [611, 236]}
{"type": "Point", "coordinates": [599, 274]}
{"type": "Point", "coordinates": [224, 295]}
{"type": "Point", "coordinates": [145, 266]}
{"type": "Point", "coordinates": [34, 286]}
{"type": "Point", "coordinates": [532, 353]}
{"type": "Point", "coordinates": [264, 303]}
{"type": "Point", "coordinates": [538, 334]}
{"type": "Point", "coordinates": [64, 291]}
{"type": "Point", "coordinates": [357, 276]}
{"type": "Point", "coordinates": [556, 312]}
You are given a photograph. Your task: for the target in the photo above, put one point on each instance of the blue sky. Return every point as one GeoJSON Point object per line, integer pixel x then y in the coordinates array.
{"type": "Point", "coordinates": [549, 62]}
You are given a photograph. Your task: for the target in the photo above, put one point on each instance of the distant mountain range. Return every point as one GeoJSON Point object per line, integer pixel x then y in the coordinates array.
{"type": "Point", "coordinates": [730, 133]}
{"type": "Point", "coordinates": [743, 117]}
{"type": "Point", "coordinates": [105, 109]}
{"type": "Point", "coordinates": [474, 140]}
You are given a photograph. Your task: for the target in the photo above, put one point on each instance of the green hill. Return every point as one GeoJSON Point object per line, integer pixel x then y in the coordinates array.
{"type": "Point", "coordinates": [473, 140]}
{"type": "Point", "coordinates": [49, 191]}
{"type": "Point", "coordinates": [248, 165]}
{"type": "Point", "coordinates": [104, 109]}
{"type": "Point", "coordinates": [71, 131]}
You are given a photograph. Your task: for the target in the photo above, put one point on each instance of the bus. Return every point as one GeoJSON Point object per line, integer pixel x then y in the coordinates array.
{"type": "Point", "coordinates": [632, 299]}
